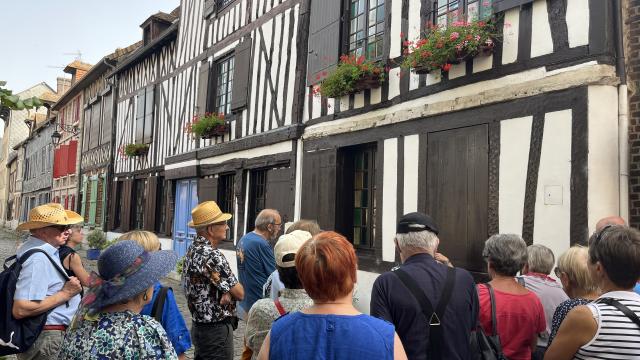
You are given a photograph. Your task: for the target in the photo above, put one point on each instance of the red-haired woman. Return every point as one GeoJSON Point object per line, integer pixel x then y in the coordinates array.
{"type": "Point", "coordinates": [332, 328]}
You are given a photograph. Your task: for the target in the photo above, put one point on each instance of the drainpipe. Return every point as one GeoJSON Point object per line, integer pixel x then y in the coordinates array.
{"type": "Point", "coordinates": [298, 193]}
{"type": "Point", "coordinates": [623, 113]}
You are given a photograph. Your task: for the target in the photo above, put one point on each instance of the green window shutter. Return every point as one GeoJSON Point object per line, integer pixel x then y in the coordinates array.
{"type": "Point", "coordinates": [104, 198]}
{"type": "Point", "coordinates": [92, 201]}
{"type": "Point", "coordinates": [84, 197]}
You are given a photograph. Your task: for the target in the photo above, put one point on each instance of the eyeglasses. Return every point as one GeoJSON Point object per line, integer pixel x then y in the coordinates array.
{"type": "Point", "coordinates": [61, 228]}
{"type": "Point", "coordinates": [557, 271]}
{"type": "Point", "coordinates": [595, 242]}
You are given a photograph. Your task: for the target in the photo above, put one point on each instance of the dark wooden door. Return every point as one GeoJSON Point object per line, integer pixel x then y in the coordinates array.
{"type": "Point", "coordinates": [457, 193]}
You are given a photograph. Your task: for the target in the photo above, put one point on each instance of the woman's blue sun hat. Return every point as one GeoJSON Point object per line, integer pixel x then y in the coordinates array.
{"type": "Point", "coordinates": [125, 271]}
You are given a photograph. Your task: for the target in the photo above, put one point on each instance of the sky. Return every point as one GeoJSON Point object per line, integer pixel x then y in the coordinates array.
{"type": "Point", "coordinates": [40, 37]}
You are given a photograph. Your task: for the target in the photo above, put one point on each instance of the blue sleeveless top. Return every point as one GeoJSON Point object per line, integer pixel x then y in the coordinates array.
{"type": "Point", "coordinates": [331, 337]}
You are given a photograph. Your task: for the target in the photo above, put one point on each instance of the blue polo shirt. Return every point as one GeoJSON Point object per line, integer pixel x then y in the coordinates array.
{"type": "Point", "coordinates": [392, 301]}
{"type": "Point", "coordinates": [255, 263]}
{"type": "Point", "coordinates": [39, 279]}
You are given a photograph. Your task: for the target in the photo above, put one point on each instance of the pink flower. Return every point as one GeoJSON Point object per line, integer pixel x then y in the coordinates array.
{"type": "Point", "coordinates": [454, 36]}
{"type": "Point", "coordinates": [477, 37]}
{"type": "Point", "coordinates": [459, 47]}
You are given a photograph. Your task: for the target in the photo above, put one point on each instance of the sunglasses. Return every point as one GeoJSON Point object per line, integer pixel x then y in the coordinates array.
{"type": "Point", "coordinates": [61, 228]}
{"type": "Point", "coordinates": [597, 240]}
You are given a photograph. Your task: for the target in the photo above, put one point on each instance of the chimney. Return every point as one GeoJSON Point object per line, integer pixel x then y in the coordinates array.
{"type": "Point", "coordinates": [63, 85]}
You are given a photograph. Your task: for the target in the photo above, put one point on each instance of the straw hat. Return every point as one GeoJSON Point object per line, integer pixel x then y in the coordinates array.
{"type": "Point", "coordinates": [207, 213]}
{"type": "Point", "coordinates": [50, 214]}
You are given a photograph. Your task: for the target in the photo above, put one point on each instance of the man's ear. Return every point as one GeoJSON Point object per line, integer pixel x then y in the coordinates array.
{"type": "Point", "coordinates": [395, 241]}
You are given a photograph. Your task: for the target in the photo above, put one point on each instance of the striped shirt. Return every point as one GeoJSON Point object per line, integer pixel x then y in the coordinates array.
{"type": "Point", "coordinates": [617, 336]}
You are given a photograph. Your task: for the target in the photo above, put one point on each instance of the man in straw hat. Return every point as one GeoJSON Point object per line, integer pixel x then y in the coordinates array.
{"type": "Point", "coordinates": [40, 287]}
{"type": "Point", "coordinates": [210, 286]}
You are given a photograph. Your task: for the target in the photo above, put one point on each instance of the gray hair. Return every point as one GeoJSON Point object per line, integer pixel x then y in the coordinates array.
{"type": "Point", "coordinates": [507, 253]}
{"type": "Point", "coordinates": [266, 217]}
{"type": "Point", "coordinates": [541, 259]}
{"type": "Point", "coordinates": [418, 240]}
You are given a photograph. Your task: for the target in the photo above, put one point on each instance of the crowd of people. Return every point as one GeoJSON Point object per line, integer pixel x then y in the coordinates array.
{"type": "Point", "coordinates": [295, 292]}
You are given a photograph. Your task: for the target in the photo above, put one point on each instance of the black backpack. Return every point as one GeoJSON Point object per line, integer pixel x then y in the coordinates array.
{"type": "Point", "coordinates": [17, 336]}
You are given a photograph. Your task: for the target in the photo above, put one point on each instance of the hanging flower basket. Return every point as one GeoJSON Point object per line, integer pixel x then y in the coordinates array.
{"type": "Point", "coordinates": [353, 74]}
{"type": "Point", "coordinates": [207, 126]}
{"type": "Point", "coordinates": [442, 46]}
{"type": "Point", "coordinates": [136, 150]}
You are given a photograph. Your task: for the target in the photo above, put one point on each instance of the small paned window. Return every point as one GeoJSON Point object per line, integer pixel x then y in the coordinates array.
{"type": "Point", "coordinates": [366, 28]}
{"type": "Point", "coordinates": [258, 194]}
{"type": "Point", "coordinates": [450, 11]}
{"type": "Point", "coordinates": [140, 203]}
{"type": "Point", "coordinates": [226, 199]}
{"type": "Point", "coordinates": [224, 84]}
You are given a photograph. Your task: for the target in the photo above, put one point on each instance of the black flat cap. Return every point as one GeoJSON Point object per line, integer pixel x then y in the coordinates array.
{"type": "Point", "coordinates": [416, 221]}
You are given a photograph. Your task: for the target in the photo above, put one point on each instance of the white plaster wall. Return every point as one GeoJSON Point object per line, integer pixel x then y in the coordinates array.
{"type": "Point", "coordinates": [603, 166]}
{"type": "Point", "coordinates": [413, 32]}
{"type": "Point", "coordinates": [578, 22]}
{"type": "Point", "coordinates": [541, 42]}
{"type": "Point", "coordinates": [396, 23]}
{"type": "Point", "coordinates": [363, 290]}
{"type": "Point", "coordinates": [394, 82]}
{"type": "Point", "coordinates": [510, 35]}
{"type": "Point", "coordinates": [551, 227]}
{"type": "Point", "coordinates": [389, 198]}
{"type": "Point", "coordinates": [410, 188]}
{"type": "Point", "coordinates": [515, 139]}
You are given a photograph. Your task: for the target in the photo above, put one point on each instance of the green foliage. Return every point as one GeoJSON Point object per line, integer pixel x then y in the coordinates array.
{"type": "Point", "coordinates": [97, 239]}
{"type": "Point", "coordinates": [13, 102]}
{"type": "Point", "coordinates": [136, 149]}
{"type": "Point", "coordinates": [344, 79]}
{"type": "Point", "coordinates": [205, 124]}
{"type": "Point", "coordinates": [180, 265]}
{"type": "Point", "coordinates": [442, 46]}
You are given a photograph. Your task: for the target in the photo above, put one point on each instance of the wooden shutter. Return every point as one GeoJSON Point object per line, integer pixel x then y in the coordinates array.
{"type": "Point", "coordinates": [242, 64]}
{"type": "Point", "coordinates": [126, 201]}
{"type": "Point", "coordinates": [150, 208]}
{"type": "Point", "coordinates": [73, 150]}
{"type": "Point", "coordinates": [203, 87]}
{"type": "Point", "coordinates": [94, 137]}
{"type": "Point", "coordinates": [86, 130]}
{"type": "Point", "coordinates": [502, 5]}
{"type": "Point", "coordinates": [111, 205]}
{"type": "Point", "coordinates": [319, 187]}
{"type": "Point", "coordinates": [281, 192]}
{"type": "Point", "coordinates": [93, 197]}
{"type": "Point", "coordinates": [139, 135]}
{"type": "Point", "coordinates": [149, 105]}
{"type": "Point", "coordinates": [107, 112]}
{"type": "Point", "coordinates": [209, 8]}
{"type": "Point", "coordinates": [84, 199]}
{"type": "Point", "coordinates": [324, 38]}
{"type": "Point", "coordinates": [207, 189]}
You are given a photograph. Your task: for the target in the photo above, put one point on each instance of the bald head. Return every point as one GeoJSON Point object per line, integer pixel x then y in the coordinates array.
{"type": "Point", "coordinates": [609, 220]}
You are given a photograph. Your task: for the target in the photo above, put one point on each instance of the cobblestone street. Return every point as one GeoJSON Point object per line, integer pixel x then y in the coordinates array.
{"type": "Point", "coordinates": [9, 242]}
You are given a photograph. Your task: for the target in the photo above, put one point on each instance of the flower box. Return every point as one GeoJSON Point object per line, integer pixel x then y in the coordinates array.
{"type": "Point", "coordinates": [367, 81]}
{"type": "Point", "coordinates": [353, 74]}
{"type": "Point", "coordinates": [136, 150]}
{"type": "Point", "coordinates": [218, 130]}
{"type": "Point", "coordinates": [207, 126]}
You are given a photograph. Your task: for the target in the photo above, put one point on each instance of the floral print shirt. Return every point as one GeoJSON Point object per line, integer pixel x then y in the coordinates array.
{"type": "Point", "coordinates": [117, 335]}
{"type": "Point", "coordinates": [206, 276]}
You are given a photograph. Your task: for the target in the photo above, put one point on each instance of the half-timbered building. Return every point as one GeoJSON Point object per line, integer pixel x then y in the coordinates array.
{"type": "Point", "coordinates": [67, 122]}
{"type": "Point", "coordinates": [236, 58]}
{"type": "Point", "coordinates": [525, 140]}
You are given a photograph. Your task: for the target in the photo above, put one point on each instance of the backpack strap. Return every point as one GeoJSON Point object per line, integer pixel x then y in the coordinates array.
{"type": "Point", "coordinates": [30, 252]}
{"type": "Point", "coordinates": [520, 280]}
{"type": "Point", "coordinates": [434, 318]}
{"type": "Point", "coordinates": [625, 310]}
{"type": "Point", "coordinates": [158, 305]}
{"type": "Point", "coordinates": [279, 306]}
